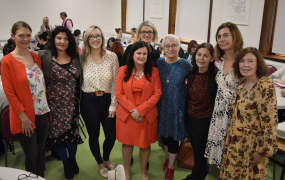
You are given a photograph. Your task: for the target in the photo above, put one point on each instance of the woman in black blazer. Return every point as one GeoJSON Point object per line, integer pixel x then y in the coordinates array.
{"type": "Point", "coordinates": [63, 74]}
{"type": "Point", "coordinates": [201, 91]}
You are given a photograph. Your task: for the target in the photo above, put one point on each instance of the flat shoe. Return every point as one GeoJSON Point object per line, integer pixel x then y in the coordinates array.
{"type": "Point", "coordinates": [111, 166]}
{"type": "Point", "coordinates": [104, 172]}
{"type": "Point", "coordinates": [145, 178]}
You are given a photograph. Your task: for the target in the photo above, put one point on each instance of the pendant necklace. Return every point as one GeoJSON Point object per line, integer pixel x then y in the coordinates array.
{"type": "Point", "coordinates": [167, 79]}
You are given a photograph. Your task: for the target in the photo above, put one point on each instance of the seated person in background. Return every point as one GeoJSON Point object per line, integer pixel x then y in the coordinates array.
{"type": "Point", "coordinates": [120, 36]}
{"type": "Point", "coordinates": [192, 46]}
{"type": "Point", "coordinates": [110, 42]}
{"type": "Point", "coordinates": [37, 47]}
{"type": "Point", "coordinates": [160, 48]}
{"type": "Point", "coordinates": [9, 47]}
{"type": "Point", "coordinates": [77, 34]}
{"type": "Point", "coordinates": [118, 49]}
{"type": "Point", "coordinates": [133, 33]}
{"type": "Point", "coordinates": [0, 47]}
{"type": "Point", "coordinates": [278, 76]}
{"type": "Point", "coordinates": [42, 40]}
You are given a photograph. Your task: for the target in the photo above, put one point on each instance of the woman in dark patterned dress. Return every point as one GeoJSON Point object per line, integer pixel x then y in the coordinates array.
{"type": "Point", "coordinates": [63, 74]}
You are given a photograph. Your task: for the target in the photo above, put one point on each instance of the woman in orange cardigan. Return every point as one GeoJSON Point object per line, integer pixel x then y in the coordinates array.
{"type": "Point", "coordinates": [24, 86]}
{"type": "Point", "coordinates": [137, 90]}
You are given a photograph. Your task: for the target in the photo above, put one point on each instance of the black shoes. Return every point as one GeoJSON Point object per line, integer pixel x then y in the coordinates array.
{"type": "Point", "coordinates": [74, 165]}
{"type": "Point", "coordinates": [67, 170]}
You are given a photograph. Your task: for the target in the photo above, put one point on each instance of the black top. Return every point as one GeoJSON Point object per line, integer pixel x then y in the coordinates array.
{"type": "Point", "coordinates": [181, 53]}
{"type": "Point", "coordinates": [212, 84]}
{"type": "Point", "coordinates": [120, 58]}
{"type": "Point", "coordinates": [154, 55]}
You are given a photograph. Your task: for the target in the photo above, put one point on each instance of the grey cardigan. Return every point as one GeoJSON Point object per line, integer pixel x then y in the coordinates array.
{"type": "Point", "coordinates": [46, 58]}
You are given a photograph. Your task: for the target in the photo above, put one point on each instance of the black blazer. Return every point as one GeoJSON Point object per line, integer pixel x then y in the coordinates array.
{"type": "Point", "coordinates": [213, 87]}
{"type": "Point", "coordinates": [46, 58]}
{"type": "Point", "coordinates": [154, 55]}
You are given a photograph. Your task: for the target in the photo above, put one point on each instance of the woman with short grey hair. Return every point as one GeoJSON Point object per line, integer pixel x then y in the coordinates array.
{"type": "Point", "coordinates": [172, 70]}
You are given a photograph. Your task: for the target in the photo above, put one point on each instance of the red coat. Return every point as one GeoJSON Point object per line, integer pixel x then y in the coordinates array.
{"type": "Point", "coordinates": [128, 131]}
{"type": "Point", "coordinates": [17, 90]}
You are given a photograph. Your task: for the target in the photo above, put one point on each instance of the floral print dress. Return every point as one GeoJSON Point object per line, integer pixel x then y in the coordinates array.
{"type": "Point", "coordinates": [37, 86]}
{"type": "Point", "coordinates": [227, 86]}
{"type": "Point", "coordinates": [255, 109]}
{"type": "Point", "coordinates": [63, 97]}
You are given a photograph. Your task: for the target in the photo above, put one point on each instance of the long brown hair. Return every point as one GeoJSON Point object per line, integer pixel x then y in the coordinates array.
{"type": "Point", "coordinates": [191, 44]}
{"type": "Point", "coordinates": [237, 39]}
{"type": "Point", "coordinates": [17, 25]}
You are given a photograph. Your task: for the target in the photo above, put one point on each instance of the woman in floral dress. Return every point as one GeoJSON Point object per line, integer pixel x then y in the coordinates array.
{"type": "Point", "coordinates": [62, 70]}
{"type": "Point", "coordinates": [252, 134]}
{"type": "Point", "coordinates": [229, 43]}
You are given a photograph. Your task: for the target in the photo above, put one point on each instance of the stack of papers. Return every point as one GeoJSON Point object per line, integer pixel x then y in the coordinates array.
{"type": "Point", "coordinates": [280, 85]}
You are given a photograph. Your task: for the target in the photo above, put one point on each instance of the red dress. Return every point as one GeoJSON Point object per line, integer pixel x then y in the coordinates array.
{"type": "Point", "coordinates": [130, 132]}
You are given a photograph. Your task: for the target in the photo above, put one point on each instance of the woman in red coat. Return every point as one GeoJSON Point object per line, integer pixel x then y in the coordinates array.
{"type": "Point", "coordinates": [138, 90]}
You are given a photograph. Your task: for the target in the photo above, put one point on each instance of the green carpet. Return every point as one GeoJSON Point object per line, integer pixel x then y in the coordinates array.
{"type": "Point", "coordinates": [89, 169]}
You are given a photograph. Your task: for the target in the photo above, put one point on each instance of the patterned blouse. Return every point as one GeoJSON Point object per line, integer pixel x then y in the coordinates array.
{"type": "Point", "coordinates": [102, 76]}
{"type": "Point", "coordinates": [37, 86]}
{"type": "Point", "coordinates": [255, 109]}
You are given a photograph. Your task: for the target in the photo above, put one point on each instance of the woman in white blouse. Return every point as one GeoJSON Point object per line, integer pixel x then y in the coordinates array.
{"type": "Point", "coordinates": [98, 103]}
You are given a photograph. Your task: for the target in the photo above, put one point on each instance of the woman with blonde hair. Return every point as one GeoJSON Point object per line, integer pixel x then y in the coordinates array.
{"type": "Point", "coordinates": [145, 32]}
{"type": "Point", "coordinates": [46, 27]}
{"type": "Point", "coordinates": [229, 43]}
{"type": "Point", "coordinates": [98, 103]}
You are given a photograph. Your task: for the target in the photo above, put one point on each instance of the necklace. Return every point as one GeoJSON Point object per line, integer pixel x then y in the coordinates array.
{"type": "Point", "coordinates": [138, 77]}
{"type": "Point", "coordinates": [168, 77]}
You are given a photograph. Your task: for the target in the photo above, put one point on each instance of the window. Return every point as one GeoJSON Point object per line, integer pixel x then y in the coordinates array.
{"type": "Point", "coordinates": [183, 14]}
{"type": "Point", "coordinates": [132, 14]}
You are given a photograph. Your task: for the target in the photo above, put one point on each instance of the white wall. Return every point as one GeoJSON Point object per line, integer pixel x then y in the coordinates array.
{"type": "Point", "coordinates": [161, 25]}
{"type": "Point", "coordinates": [104, 13]}
{"type": "Point", "coordinates": [250, 33]}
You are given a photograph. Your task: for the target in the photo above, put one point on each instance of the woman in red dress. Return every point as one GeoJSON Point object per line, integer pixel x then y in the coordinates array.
{"type": "Point", "coordinates": [138, 90]}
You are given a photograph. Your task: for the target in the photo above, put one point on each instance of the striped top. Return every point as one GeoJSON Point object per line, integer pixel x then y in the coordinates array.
{"type": "Point", "coordinates": [199, 100]}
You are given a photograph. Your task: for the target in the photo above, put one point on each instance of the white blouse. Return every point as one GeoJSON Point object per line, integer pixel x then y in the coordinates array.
{"type": "Point", "coordinates": [37, 86]}
{"type": "Point", "coordinates": [101, 76]}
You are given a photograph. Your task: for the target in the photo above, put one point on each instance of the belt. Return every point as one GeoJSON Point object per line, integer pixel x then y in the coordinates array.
{"type": "Point", "coordinates": [98, 93]}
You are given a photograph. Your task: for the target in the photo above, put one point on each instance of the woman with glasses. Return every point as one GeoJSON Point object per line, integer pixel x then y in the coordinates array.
{"type": "Point", "coordinates": [63, 75]}
{"type": "Point", "coordinates": [192, 46]}
{"type": "Point", "coordinates": [145, 32]}
{"type": "Point", "coordinates": [98, 104]}
{"type": "Point", "coordinates": [172, 71]}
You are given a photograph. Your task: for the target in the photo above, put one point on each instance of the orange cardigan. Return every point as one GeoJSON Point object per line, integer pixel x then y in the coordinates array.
{"type": "Point", "coordinates": [17, 90]}
{"type": "Point", "coordinates": [151, 95]}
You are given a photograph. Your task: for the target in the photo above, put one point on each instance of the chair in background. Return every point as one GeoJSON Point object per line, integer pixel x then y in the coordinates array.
{"type": "Point", "coordinates": [271, 69]}
{"type": "Point", "coordinates": [6, 132]}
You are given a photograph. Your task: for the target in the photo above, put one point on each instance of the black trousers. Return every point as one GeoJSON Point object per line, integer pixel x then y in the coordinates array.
{"type": "Point", "coordinates": [95, 110]}
{"type": "Point", "coordinates": [34, 146]}
{"type": "Point", "coordinates": [173, 146]}
{"type": "Point", "coordinates": [197, 130]}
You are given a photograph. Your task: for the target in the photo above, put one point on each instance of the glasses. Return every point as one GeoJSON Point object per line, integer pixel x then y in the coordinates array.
{"type": "Point", "coordinates": [25, 176]}
{"type": "Point", "coordinates": [146, 32]}
{"type": "Point", "coordinates": [99, 37]}
{"type": "Point", "coordinates": [173, 46]}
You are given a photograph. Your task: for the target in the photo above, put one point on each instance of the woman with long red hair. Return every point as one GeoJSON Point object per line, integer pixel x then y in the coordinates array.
{"type": "Point", "coordinates": [118, 49]}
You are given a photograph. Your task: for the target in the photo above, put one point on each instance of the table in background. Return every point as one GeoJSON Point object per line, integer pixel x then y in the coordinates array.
{"type": "Point", "coordinates": [7, 173]}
